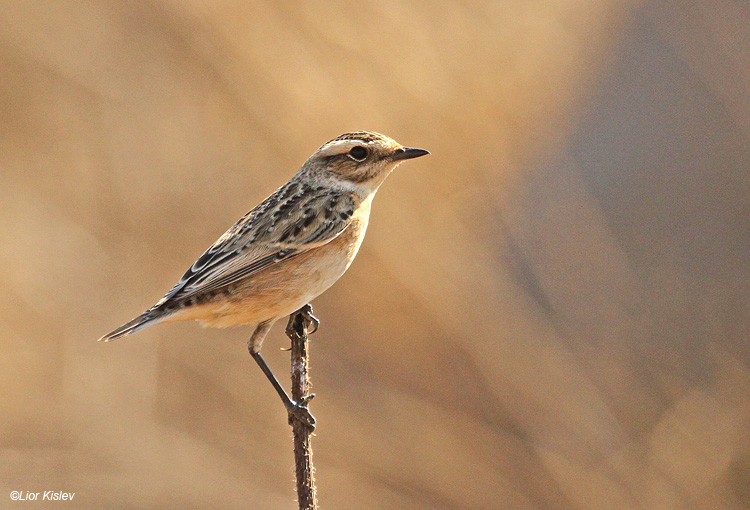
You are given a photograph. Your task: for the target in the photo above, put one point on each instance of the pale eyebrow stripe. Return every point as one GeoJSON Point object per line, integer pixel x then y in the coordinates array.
{"type": "Point", "coordinates": [339, 147]}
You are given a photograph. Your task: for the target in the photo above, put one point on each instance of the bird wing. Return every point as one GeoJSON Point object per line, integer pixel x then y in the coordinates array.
{"type": "Point", "coordinates": [295, 219]}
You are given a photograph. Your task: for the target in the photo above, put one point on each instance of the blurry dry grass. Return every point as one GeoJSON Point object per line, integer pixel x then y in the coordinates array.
{"type": "Point", "coordinates": [549, 312]}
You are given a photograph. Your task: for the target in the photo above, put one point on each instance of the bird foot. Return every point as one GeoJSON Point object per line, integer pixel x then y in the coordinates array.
{"type": "Point", "coordinates": [300, 411]}
{"type": "Point", "coordinates": [302, 322]}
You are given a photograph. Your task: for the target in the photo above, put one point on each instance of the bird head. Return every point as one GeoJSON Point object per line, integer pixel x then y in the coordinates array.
{"type": "Point", "coordinates": [361, 158]}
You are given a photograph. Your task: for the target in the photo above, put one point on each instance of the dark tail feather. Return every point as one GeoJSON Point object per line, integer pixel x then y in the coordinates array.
{"type": "Point", "coordinates": [145, 319]}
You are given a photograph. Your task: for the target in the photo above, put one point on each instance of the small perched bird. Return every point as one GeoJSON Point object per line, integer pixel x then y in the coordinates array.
{"type": "Point", "coordinates": [286, 251]}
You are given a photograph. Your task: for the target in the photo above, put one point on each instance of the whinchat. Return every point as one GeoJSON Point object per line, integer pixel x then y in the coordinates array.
{"type": "Point", "coordinates": [287, 250]}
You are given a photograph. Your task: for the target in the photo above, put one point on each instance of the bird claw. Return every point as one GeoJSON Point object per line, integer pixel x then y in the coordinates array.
{"type": "Point", "coordinates": [311, 322]}
{"type": "Point", "coordinates": [302, 322]}
{"type": "Point", "coordinates": [300, 411]}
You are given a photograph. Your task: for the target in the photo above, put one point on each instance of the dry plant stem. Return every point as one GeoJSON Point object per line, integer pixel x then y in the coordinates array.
{"type": "Point", "coordinates": [297, 330]}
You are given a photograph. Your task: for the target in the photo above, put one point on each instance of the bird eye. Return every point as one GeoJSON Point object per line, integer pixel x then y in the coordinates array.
{"type": "Point", "coordinates": [358, 153]}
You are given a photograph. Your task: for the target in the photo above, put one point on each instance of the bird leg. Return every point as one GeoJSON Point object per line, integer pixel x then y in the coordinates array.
{"type": "Point", "coordinates": [298, 409]}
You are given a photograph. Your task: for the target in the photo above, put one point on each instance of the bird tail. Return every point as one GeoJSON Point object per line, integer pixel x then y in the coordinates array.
{"type": "Point", "coordinates": [145, 319]}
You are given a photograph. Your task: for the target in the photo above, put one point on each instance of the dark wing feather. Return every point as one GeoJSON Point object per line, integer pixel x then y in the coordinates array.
{"type": "Point", "coordinates": [293, 220]}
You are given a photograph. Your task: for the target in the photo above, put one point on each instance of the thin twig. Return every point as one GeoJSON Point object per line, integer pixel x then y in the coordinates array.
{"type": "Point", "coordinates": [297, 330]}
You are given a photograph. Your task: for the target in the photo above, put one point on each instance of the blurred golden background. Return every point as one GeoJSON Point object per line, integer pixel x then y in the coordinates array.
{"type": "Point", "coordinates": [549, 312]}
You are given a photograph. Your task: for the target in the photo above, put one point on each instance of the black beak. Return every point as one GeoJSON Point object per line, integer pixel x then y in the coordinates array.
{"type": "Point", "coordinates": [408, 153]}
